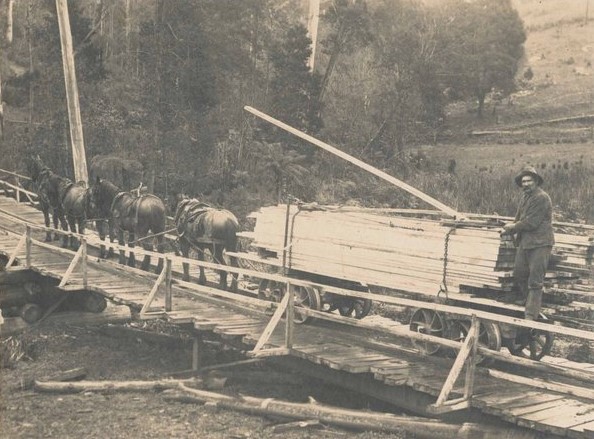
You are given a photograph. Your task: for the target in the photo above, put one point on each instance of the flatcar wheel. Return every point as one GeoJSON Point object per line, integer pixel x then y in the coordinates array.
{"type": "Point", "coordinates": [531, 343]}
{"type": "Point", "coordinates": [489, 336]}
{"type": "Point", "coordinates": [305, 297]}
{"type": "Point", "coordinates": [426, 321]}
{"type": "Point", "coordinates": [357, 308]}
{"type": "Point", "coordinates": [270, 290]}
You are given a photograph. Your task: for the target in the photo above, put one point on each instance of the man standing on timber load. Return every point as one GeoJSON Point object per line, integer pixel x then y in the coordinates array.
{"type": "Point", "coordinates": [533, 236]}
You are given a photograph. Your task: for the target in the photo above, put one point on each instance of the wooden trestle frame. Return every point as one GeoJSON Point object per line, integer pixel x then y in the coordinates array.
{"type": "Point", "coordinates": [468, 349]}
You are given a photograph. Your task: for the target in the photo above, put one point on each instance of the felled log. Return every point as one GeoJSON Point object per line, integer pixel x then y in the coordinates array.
{"type": "Point", "coordinates": [352, 419]}
{"type": "Point", "coordinates": [297, 425]}
{"type": "Point", "coordinates": [110, 386]}
{"type": "Point", "coordinates": [67, 375]}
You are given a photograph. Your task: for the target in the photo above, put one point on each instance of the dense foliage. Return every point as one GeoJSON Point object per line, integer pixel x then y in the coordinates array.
{"type": "Point", "coordinates": [164, 82]}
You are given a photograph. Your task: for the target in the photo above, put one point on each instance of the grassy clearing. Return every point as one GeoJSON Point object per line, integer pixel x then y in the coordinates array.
{"type": "Point", "coordinates": [560, 53]}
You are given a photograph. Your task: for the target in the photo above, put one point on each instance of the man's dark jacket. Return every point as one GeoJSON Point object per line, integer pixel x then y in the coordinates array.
{"type": "Point", "coordinates": [533, 224]}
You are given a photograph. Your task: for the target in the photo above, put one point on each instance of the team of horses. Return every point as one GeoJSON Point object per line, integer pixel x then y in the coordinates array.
{"type": "Point", "coordinates": [140, 216]}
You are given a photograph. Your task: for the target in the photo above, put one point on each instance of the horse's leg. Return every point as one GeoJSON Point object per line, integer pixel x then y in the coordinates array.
{"type": "Point", "coordinates": [147, 245]}
{"type": "Point", "coordinates": [46, 218]}
{"type": "Point", "coordinates": [112, 237]}
{"type": "Point", "coordinates": [146, 261]}
{"type": "Point", "coordinates": [101, 226]}
{"type": "Point", "coordinates": [218, 258]}
{"type": "Point", "coordinates": [184, 248]}
{"type": "Point", "coordinates": [235, 264]}
{"type": "Point", "coordinates": [81, 226]}
{"type": "Point", "coordinates": [131, 244]}
{"type": "Point", "coordinates": [202, 277]}
{"type": "Point", "coordinates": [122, 259]}
{"type": "Point", "coordinates": [160, 249]}
{"type": "Point", "coordinates": [56, 219]}
{"type": "Point", "coordinates": [64, 224]}
{"type": "Point", "coordinates": [72, 224]}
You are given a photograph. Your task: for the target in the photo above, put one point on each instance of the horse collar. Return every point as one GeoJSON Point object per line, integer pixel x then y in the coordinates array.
{"type": "Point", "coordinates": [116, 198]}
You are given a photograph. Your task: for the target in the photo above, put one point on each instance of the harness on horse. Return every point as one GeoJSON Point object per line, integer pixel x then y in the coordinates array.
{"type": "Point", "coordinates": [187, 213]}
{"type": "Point", "coordinates": [135, 204]}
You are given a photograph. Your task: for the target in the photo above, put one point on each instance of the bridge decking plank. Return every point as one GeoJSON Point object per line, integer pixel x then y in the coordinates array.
{"type": "Point", "coordinates": [582, 431]}
{"type": "Point", "coordinates": [523, 405]}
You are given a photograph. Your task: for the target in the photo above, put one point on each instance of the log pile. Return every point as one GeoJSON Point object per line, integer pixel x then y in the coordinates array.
{"type": "Point", "coordinates": [411, 254]}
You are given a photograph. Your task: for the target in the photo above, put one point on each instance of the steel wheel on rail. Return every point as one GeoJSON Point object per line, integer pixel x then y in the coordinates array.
{"type": "Point", "coordinates": [353, 307]}
{"type": "Point", "coordinates": [429, 322]}
{"type": "Point", "coordinates": [489, 336]}
{"type": "Point", "coordinates": [304, 297]}
{"type": "Point", "coordinates": [531, 343]}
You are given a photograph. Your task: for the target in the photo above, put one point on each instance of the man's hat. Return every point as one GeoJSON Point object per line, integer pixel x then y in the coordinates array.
{"type": "Point", "coordinates": [528, 170]}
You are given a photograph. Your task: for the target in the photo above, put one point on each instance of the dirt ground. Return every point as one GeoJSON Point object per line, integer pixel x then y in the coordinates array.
{"type": "Point", "coordinates": [51, 349]}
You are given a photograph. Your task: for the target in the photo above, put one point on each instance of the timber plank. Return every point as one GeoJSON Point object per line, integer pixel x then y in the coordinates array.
{"type": "Point", "coordinates": [530, 399]}
{"type": "Point", "coordinates": [363, 364]}
{"type": "Point", "coordinates": [563, 408]}
{"type": "Point", "coordinates": [585, 431]}
{"type": "Point", "coordinates": [512, 415]}
{"type": "Point", "coordinates": [507, 394]}
{"type": "Point", "coordinates": [338, 358]}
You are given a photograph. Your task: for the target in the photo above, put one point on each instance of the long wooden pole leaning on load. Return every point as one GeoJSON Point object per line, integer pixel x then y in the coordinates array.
{"type": "Point", "coordinates": [402, 185]}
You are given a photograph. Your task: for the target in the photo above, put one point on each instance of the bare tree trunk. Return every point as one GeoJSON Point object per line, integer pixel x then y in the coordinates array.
{"type": "Point", "coordinates": [158, 92]}
{"type": "Point", "coordinates": [31, 94]}
{"type": "Point", "coordinates": [336, 50]}
{"type": "Point", "coordinates": [74, 118]}
{"type": "Point", "coordinates": [9, 8]}
{"type": "Point", "coordinates": [128, 27]}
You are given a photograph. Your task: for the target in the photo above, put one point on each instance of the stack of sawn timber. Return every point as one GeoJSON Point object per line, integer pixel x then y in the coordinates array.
{"type": "Point", "coordinates": [575, 271]}
{"type": "Point", "coordinates": [397, 252]}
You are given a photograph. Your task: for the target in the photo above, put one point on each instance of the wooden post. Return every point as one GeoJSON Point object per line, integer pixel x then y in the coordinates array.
{"type": "Point", "coordinates": [466, 356]}
{"type": "Point", "coordinates": [282, 306]}
{"type": "Point", "coordinates": [286, 240]}
{"type": "Point", "coordinates": [361, 164]}
{"type": "Point", "coordinates": [16, 251]}
{"type": "Point", "coordinates": [290, 315]}
{"type": "Point", "coordinates": [197, 343]}
{"type": "Point", "coordinates": [168, 289]}
{"type": "Point", "coordinates": [72, 265]}
{"type": "Point", "coordinates": [472, 360]}
{"type": "Point", "coordinates": [83, 255]}
{"type": "Point", "coordinates": [153, 292]}
{"type": "Point", "coordinates": [17, 190]}
{"type": "Point", "coordinates": [28, 247]}
{"type": "Point", "coordinates": [313, 20]}
{"type": "Point", "coordinates": [76, 131]}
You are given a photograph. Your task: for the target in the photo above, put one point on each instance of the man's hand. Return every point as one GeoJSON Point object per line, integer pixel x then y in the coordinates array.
{"type": "Point", "coordinates": [508, 228]}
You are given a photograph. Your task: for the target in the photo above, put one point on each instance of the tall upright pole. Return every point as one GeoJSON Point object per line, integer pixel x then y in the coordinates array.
{"type": "Point", "coordinates": [76, 132]}
{"type": "Point", "coordinates": [313, 21]}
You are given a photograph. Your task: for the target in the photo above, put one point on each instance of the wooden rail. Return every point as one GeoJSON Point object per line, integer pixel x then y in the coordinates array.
{"type": "Point", "coordinates": [467, 350]}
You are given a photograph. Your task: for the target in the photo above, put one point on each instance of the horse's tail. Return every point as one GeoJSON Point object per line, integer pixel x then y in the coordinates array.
{"type": "Point", "coordinates": [230, 233]}
{"type": "Point", "coordinates": [155, 212]}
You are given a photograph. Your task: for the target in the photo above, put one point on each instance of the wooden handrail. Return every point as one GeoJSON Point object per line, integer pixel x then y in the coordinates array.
{"type": "Point", "coordinates": [15, 174]}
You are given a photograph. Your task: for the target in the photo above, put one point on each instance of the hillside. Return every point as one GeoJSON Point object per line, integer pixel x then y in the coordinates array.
{"type": "Point", "coordinates": [559, 52]}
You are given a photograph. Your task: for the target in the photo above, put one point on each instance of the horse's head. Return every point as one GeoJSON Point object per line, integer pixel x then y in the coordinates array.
{"type": "Point", "coordinates": [100, 197]}
{"type": "Point", "coordinates": [35, 166]}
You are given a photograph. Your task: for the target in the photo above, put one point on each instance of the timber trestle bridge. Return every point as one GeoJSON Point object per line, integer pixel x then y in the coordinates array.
{"type": "Point", "coordinates": [554, 395]}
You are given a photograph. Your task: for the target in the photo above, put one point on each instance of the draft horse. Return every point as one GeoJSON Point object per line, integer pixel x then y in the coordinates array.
{"type": "Point", "coordinates": [75, 205]}
{"type": "Point", "coordinates": [203, 227]}
{"type": "Point", "coordinates": [125, 212]}
{"type": "Point", "coordinates": [44, 183]}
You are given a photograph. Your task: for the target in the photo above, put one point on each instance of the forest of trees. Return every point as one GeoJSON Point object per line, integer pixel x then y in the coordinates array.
{"type": "Point", "coordinates": [164, 82]}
